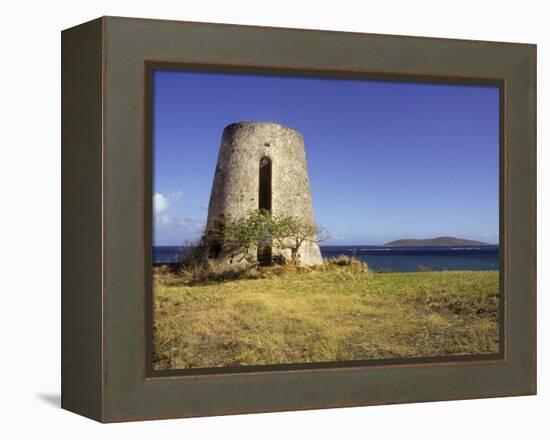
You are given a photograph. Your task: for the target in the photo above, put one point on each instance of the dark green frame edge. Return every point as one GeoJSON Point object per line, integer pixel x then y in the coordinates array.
{"type": "Point", "coordinates": [104, 304]}
{"type": "Point", "coordinates": [81, 224]}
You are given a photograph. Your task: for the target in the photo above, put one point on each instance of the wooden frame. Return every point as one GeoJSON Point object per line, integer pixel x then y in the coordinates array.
{"type": "Point", "coordinates": [106, 189]}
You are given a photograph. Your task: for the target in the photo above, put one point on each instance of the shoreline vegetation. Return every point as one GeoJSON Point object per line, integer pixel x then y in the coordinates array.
{"type": "Point", "coordinates": [339, 311]}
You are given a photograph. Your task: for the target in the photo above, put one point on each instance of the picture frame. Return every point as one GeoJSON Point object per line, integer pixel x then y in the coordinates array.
{"type": "Point", "coordinates": [107, 224]}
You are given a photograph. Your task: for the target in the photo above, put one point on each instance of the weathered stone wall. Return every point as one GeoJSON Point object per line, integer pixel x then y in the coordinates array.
{"type": "Point", "coordinates": [235, 190]}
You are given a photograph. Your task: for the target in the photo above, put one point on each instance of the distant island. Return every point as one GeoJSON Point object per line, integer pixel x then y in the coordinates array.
{"type": "Point", "coordinates": [439, 241]}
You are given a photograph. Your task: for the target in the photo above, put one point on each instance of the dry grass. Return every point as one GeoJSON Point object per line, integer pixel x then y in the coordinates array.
{"type": "Point", "coordinates": [196, 274]}
{"type": "Point", "coordinates": [339, 311]}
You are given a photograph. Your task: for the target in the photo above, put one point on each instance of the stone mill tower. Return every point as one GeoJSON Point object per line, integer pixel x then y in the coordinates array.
{"type": "Point", "coordinates": [261, 165]}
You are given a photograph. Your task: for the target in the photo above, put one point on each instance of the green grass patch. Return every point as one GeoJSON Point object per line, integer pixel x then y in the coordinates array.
{"type": "Point", "coordinates": [332, 313]}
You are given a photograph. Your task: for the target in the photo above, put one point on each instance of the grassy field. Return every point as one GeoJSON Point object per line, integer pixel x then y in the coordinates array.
{"type": "Point", "coordinates": [336, 313]}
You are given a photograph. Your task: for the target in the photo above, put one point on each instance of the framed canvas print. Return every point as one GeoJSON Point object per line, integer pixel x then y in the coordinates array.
{"type": "Point", "coordinates": [263, 219]}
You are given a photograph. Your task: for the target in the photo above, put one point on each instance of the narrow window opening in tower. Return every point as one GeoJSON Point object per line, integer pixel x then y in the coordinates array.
{"type": "Point", "coordinates": [264, 203]}
{"type": "Point", "coordinates": [265, 184]}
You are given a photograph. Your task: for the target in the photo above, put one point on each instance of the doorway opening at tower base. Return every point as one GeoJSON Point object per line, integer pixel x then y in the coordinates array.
{"type": "Point", "coordinates": [264, 203]}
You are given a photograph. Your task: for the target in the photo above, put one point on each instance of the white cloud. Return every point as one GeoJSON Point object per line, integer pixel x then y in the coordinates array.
{"type": "Point", "coordinates": [160, 203]}
{"type": "Point", "coordinates": [171, 228]}
{"type": "Point", "coordinates": [175, 195]}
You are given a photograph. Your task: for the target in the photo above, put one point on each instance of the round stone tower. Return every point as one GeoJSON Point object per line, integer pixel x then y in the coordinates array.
{"type": "Point", "coordinates": [261, 165]}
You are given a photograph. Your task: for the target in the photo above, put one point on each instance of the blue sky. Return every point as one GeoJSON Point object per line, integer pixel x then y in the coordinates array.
{"type": "Point", "coordinates": [387, 160]}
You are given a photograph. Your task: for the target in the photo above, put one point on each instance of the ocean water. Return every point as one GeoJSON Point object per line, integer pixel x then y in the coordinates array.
{"type": "Point", "coordinates": [390, 259]}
